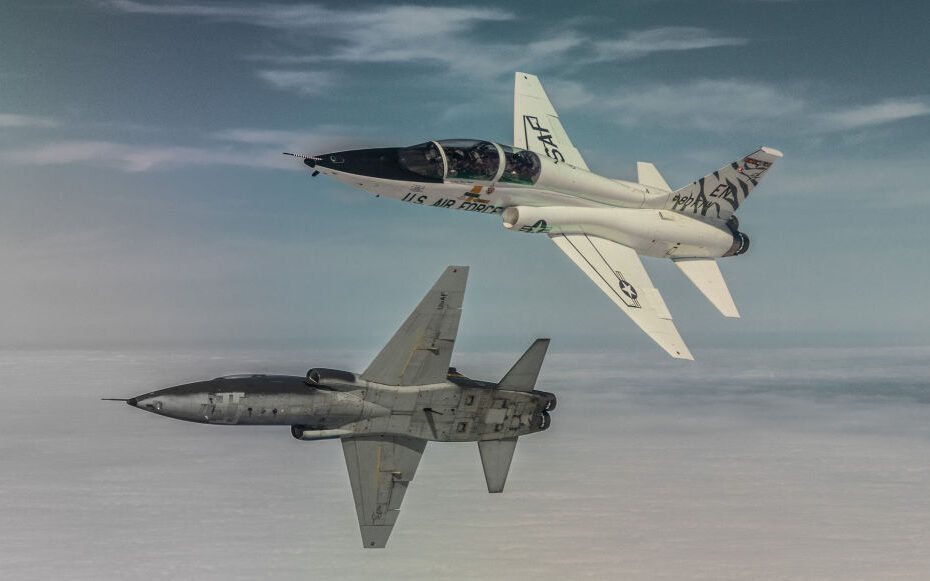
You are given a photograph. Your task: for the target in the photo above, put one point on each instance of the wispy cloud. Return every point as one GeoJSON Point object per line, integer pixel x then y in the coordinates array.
{"type": "Point", "coordinates": [261, 136]}
{"type": "Point", "coordinates": [377, 34]}
{"type": "Point", "coordinates": [397, 22]}
{"type": "Point", "coordinates": [556, 45]}
{"type": "Point", "coordinates": [272, 15]}
{"type": "Point", "coordinates": [400, 34]}
{"type": "Point", "coordinates": [304, 82]}
{"type": "Point", "coordinates": [887, 111]}
{"type": "Point", "coordinates": [241, 147]}
{"type": "Point", "coordinates": [445, 36]}
{"type": "Point", "coordinates": [637, 44]}
{"type": "Point", "coordinates": [721, 104]}
{"type": "Point", "coordinates": [138, 158]}
{"type": "Point", "coordinates": [13, 120]}
{"type": "Point", "coordinates": [709, 104]}
{"type": "Point", "coordinates": [329, 137]}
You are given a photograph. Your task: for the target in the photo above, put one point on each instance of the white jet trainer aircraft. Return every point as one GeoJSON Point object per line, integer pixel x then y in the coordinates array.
{"type": "Point", "coordinates": [541, 185]}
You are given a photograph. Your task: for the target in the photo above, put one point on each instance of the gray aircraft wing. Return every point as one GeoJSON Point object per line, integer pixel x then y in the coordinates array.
{"type": "Point", "coordinates": [380, 468]}
{"type": "Point", "coordinates": [420, 350]}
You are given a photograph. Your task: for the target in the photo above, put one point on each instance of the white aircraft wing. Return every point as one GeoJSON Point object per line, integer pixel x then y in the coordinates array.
{"type": "Point", "coordinates": [536, 125]}
{"type": "Point", "coordinates": [618, 271]}
{"type": "Point", "coordinates": [420, 350]}
{"type": "Point", "coordinates": [380, 468]}
{"type": "Point", "coordinates": [705, 274]}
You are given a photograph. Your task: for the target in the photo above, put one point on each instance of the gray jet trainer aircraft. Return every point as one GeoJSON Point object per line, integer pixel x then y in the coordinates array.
{"type": "Point", "coordinates": [384, 416]}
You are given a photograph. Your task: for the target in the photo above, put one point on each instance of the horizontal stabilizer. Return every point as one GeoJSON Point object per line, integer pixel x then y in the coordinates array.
{"type": "Point", "coordinates": [648, 175]}
{"type": "Point", "coordinates": [522, 376]}
{"type": "Point", "coordinates": [496, 456]}
{"type": "Point", "coordinates": [705, 274]}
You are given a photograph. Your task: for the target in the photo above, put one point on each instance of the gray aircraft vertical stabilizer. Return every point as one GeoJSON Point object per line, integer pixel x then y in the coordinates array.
{"type": "Point", "coordinates": [522, 376]}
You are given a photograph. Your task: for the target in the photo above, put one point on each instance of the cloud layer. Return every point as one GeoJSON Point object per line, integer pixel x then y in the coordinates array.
{"type": "Point", "coordinates": [445, 36]}
{"type": "Point", "coordinates": [800, 467]}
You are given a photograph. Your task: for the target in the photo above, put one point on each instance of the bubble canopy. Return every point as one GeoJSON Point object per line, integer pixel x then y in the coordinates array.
{"type": "Point", "coordinates": [471, 160]}
{"type": "Point", "coordinates": [467, 160]}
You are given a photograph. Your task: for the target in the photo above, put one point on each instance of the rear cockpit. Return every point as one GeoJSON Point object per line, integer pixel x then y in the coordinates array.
{"type": "Point", "coordinates": [327, 378]}
{"type": "Point", "coordinates": [453, 376]}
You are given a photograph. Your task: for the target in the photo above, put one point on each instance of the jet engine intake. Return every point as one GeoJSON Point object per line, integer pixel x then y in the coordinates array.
{"type": "Point", "coordinates": [307, 433]}
{"type": "Point", "coordinates": [530, 219]}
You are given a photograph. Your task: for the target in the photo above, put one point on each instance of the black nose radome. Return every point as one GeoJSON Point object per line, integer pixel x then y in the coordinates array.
{"type": "Point", "coordinates": [131, 401]}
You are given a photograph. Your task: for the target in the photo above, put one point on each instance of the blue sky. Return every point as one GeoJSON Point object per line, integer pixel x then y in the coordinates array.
{"type": "Point", "coordinates": [145, 200]}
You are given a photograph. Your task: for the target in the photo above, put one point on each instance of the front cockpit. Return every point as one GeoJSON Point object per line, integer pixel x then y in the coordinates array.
{"type": "Point", "coordinates": [438, 161]}
{"type": "Point", "coordinates": [425, 159]}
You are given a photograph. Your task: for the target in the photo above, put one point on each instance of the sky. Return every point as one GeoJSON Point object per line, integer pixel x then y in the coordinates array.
{"type": "Point", "coordinates": [152, 233]}
{"type": "Point", "coordinates": [145, 200]}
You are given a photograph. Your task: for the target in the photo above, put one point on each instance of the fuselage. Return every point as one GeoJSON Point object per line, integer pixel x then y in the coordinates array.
{"type": "Point", "coordinates": [334, 404]}
{"type": "Point", "coordinates": [489, 178]}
